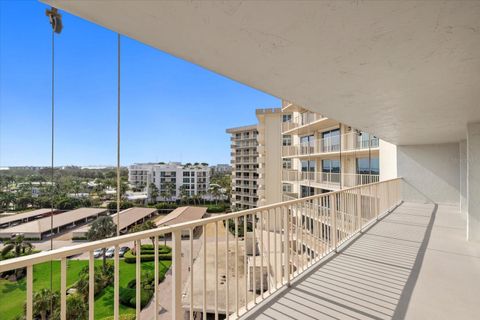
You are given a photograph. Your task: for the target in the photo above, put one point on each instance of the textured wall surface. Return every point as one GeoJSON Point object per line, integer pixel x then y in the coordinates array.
{"type": "Point", "coordinates": [473, 180]}
{"type": "Point", "coordinates": [431, 170]}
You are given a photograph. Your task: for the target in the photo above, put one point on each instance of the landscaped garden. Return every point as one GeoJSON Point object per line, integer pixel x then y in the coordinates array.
{"type": "Point", "coordinates": [15, 292]}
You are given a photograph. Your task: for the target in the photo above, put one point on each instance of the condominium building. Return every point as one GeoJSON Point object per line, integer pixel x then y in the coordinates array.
{"type": "Point", "coordinates": [221, 168]}
{"type": "Point", "coordinates": [171, 179]}
{"type": "Point", "coordinates": [244, 166]}
{"type": "Point", "coordinates": [321, 154]}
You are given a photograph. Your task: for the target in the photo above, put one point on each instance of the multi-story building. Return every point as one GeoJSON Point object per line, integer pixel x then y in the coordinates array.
{"type": "Point", "coordinates": [221, 168]}
{"type": "Point", "coordinates": [244, 167]}
{"type": "Point", "coordinates": [321, 154]}
{"type": "Point", "coordinates": [171, 179]}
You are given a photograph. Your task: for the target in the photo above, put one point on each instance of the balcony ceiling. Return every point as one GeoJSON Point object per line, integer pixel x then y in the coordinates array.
{"type": "Point", "coordinates": [407, 71]}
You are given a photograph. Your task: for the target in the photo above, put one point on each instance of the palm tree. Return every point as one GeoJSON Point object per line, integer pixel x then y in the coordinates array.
{"type": "Point", "coordinates": [147, 225]}
{"type": "Point", "coordinates": [45, 302]}
{"type": "Point", "coordinates": [184, 193]}
{"type": "Point", "coordinates": [215, 191]}
{"type": "Point", "coordinates": [170, 189]}
{"type": "Point", "coordinates": [18, 245]}
{"type": "Point", "coordinates": [76, 307]}
{"type": "Point", "coordinates": [153, 192]}
{"type": "Point", "coordinates": [102, 228]}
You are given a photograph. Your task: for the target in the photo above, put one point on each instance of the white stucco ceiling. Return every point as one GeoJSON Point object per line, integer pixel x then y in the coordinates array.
{"type": "Point", "coordinates": [407, 71]}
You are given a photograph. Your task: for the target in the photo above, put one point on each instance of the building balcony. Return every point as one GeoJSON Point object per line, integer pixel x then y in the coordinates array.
{"type": "Point", "coordinates": [356, 253]}
{"type": "Point", "coordinates": [346, 143]}
{"type": "Point", "coordinates": [329, 180]}
{"type": "Point", "coordinates": [302, 120]}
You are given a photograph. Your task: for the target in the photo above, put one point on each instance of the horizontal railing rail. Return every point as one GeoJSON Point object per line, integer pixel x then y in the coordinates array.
{"type": "Point", "coordinates": [255, 251]}
{"type": "Point", "coordinates": [345, 142]}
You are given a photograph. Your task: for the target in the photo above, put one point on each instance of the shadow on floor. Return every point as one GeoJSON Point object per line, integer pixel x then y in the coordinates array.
{"type": "Point", "coordinates": [373, 277]}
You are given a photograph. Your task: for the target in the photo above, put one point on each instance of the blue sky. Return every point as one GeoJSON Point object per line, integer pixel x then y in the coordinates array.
{"type": "Point", "coordinates": [172, 110]}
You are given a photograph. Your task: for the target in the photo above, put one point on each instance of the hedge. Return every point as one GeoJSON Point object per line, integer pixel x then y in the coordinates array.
{"type": "Point", "coordinates": [166, 205]}
{"type": "Point", "coordinates": [128, 297]}
{"type": "Point", "coordinates": [216, 208]}
{"type": "Point", "coordinates": [128, 316]}
{"type": "Point", "coordinates": [129, 257]}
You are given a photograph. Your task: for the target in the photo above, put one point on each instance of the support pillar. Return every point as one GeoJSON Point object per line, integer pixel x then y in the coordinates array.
{"type": "Point", "coordinates": [473, 181]}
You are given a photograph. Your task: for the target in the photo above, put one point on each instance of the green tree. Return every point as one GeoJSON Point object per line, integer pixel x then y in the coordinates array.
{"type": "Point", "coordinates": [102, 228]}
{"type": "Point", "coordinates": [153, 192]}
{"type": "Point", "coordinates": [18, 245]}
{"type": "Point", "coordinates": [147, 225]}
{"type": "Point", "coordinates": [215, 191]}
{"type": "Point", "coordinates": [184, 193]}
{"type": "Point", "coordinates": [76, 307]}
{"type": "Point", "coordinates": [45, 302]}
{"type": "Point", "coordinates": [170, 189]}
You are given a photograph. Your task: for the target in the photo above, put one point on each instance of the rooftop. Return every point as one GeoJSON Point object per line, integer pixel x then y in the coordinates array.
{"type": "Point", "coordinates": [25, 215]}
{"type": "Point", "coordinates": [183, 214]}
{"type": "Point", "coordinates": [44, 224]}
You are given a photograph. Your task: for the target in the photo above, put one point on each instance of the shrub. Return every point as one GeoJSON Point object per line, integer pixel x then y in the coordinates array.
{"type": "Point", "coordinates": [128, 316]}
{"type": "Point", "coordinates": [166, 205]}
{"type": "Point", "coordinates": [128, 297]}
{"type": "Point", "coordinates": [123, 205]}
{"type": "Point", "coordinates": [149, 249]}
{"type": "Point", "coordinates": [129, 257]}
{"type": "Point", "coordinates": [216, 208]}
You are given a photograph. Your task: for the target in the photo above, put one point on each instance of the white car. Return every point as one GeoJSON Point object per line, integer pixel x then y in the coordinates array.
{"type": "Point", "coordinates": [110, 252]}
{"type": "Point", "coordinates": [97, 253]}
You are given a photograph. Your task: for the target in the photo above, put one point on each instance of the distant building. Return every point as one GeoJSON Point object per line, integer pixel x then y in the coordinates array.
{"type": "Point", "coordinates": [221, 168]}
{"type": "Point", "coordinates": [244, 162]}
{"type": "Point", "coordinates": [171, 178]}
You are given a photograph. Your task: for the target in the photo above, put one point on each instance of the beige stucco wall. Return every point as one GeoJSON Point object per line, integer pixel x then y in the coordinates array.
{"type": "Point", "coordinates": [388, 160]}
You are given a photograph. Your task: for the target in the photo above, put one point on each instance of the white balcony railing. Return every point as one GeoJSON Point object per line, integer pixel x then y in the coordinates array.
{"type": "Point", "coordinates": [264, 249]}
{"type": "Point", "coordinates": [303, 119]}
{"type": "Point", "coordinates": [345, 142]}
{"type": "Point", "coordinates": [332, 179]}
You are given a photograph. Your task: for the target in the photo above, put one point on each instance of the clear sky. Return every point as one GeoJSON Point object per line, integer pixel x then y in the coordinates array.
{"type": "Point", "coordinates": [172, 110]}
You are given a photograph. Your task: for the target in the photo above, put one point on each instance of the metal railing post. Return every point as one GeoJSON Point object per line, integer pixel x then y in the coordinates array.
{"type": "Point", "coordinates": [177, 275]}
{"type": "Point", "coordinates": [333, 217]}
{"type": "Point", "coordinates": [286, 245]}
{"type": "Point", "coordinates": [359, 208]}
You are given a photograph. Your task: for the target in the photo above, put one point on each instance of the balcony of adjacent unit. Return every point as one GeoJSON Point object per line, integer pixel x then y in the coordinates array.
{"type": "Point", "coordinates": [306, 122]}
{"type": "Point", "coordinates": [328, 180]}
{"type": "Point", "coordinates": [245, 160]}
{"type": "Point", "coordinates": [348, 143]}
{"type": "Point", "coordinates": [244, 144]}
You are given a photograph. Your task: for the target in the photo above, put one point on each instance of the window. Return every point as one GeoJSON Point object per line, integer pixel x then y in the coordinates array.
{"type": "Point", "coordinates": [287, 163]}
{"type": "Point", "coordinates": [287, 187]}
{"type": "Point", "coordinates": [308, 166]}
{"type": "Point", "coordinates": [364, 166]}
{"type": "Point", "coordinates": [307, 191]}
{"type": "Point", "coordinates": [331, 166]}
{"type": "Point", "coordinates": [287, 118]}
{"type": "Point", "coordinates": [287, 140]}
{"type": "Point", "coordinates": [331, 140]}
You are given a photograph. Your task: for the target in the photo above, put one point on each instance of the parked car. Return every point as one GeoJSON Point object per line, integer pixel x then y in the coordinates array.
{"type": "Point", "coordinates": [98, 253]}
{"type": "Point", "coordinates": [110, 252]}
{"type": "Point", "coordinates": [122, 251]}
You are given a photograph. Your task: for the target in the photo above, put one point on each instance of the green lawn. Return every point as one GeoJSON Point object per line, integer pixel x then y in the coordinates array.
{"type": "Point", "coordinates": [15, 294]}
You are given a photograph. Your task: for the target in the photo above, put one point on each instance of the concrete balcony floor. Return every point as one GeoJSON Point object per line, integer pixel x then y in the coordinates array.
{"type": "Point", "coordinates": [413, 264]}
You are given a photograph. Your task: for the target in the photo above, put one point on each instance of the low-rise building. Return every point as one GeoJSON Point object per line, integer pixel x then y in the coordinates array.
{"type": "Point", "coordinates": [173, 180]}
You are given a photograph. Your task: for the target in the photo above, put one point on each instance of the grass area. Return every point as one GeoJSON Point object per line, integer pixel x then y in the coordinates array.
{"type": "Point", "coordinates": [15, 292]}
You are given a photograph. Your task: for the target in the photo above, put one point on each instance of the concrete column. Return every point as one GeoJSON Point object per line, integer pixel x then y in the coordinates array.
{"type": "Point", "coordinates": [463, 177]}
{"type": "Point", "coordinates": [473, 181]}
